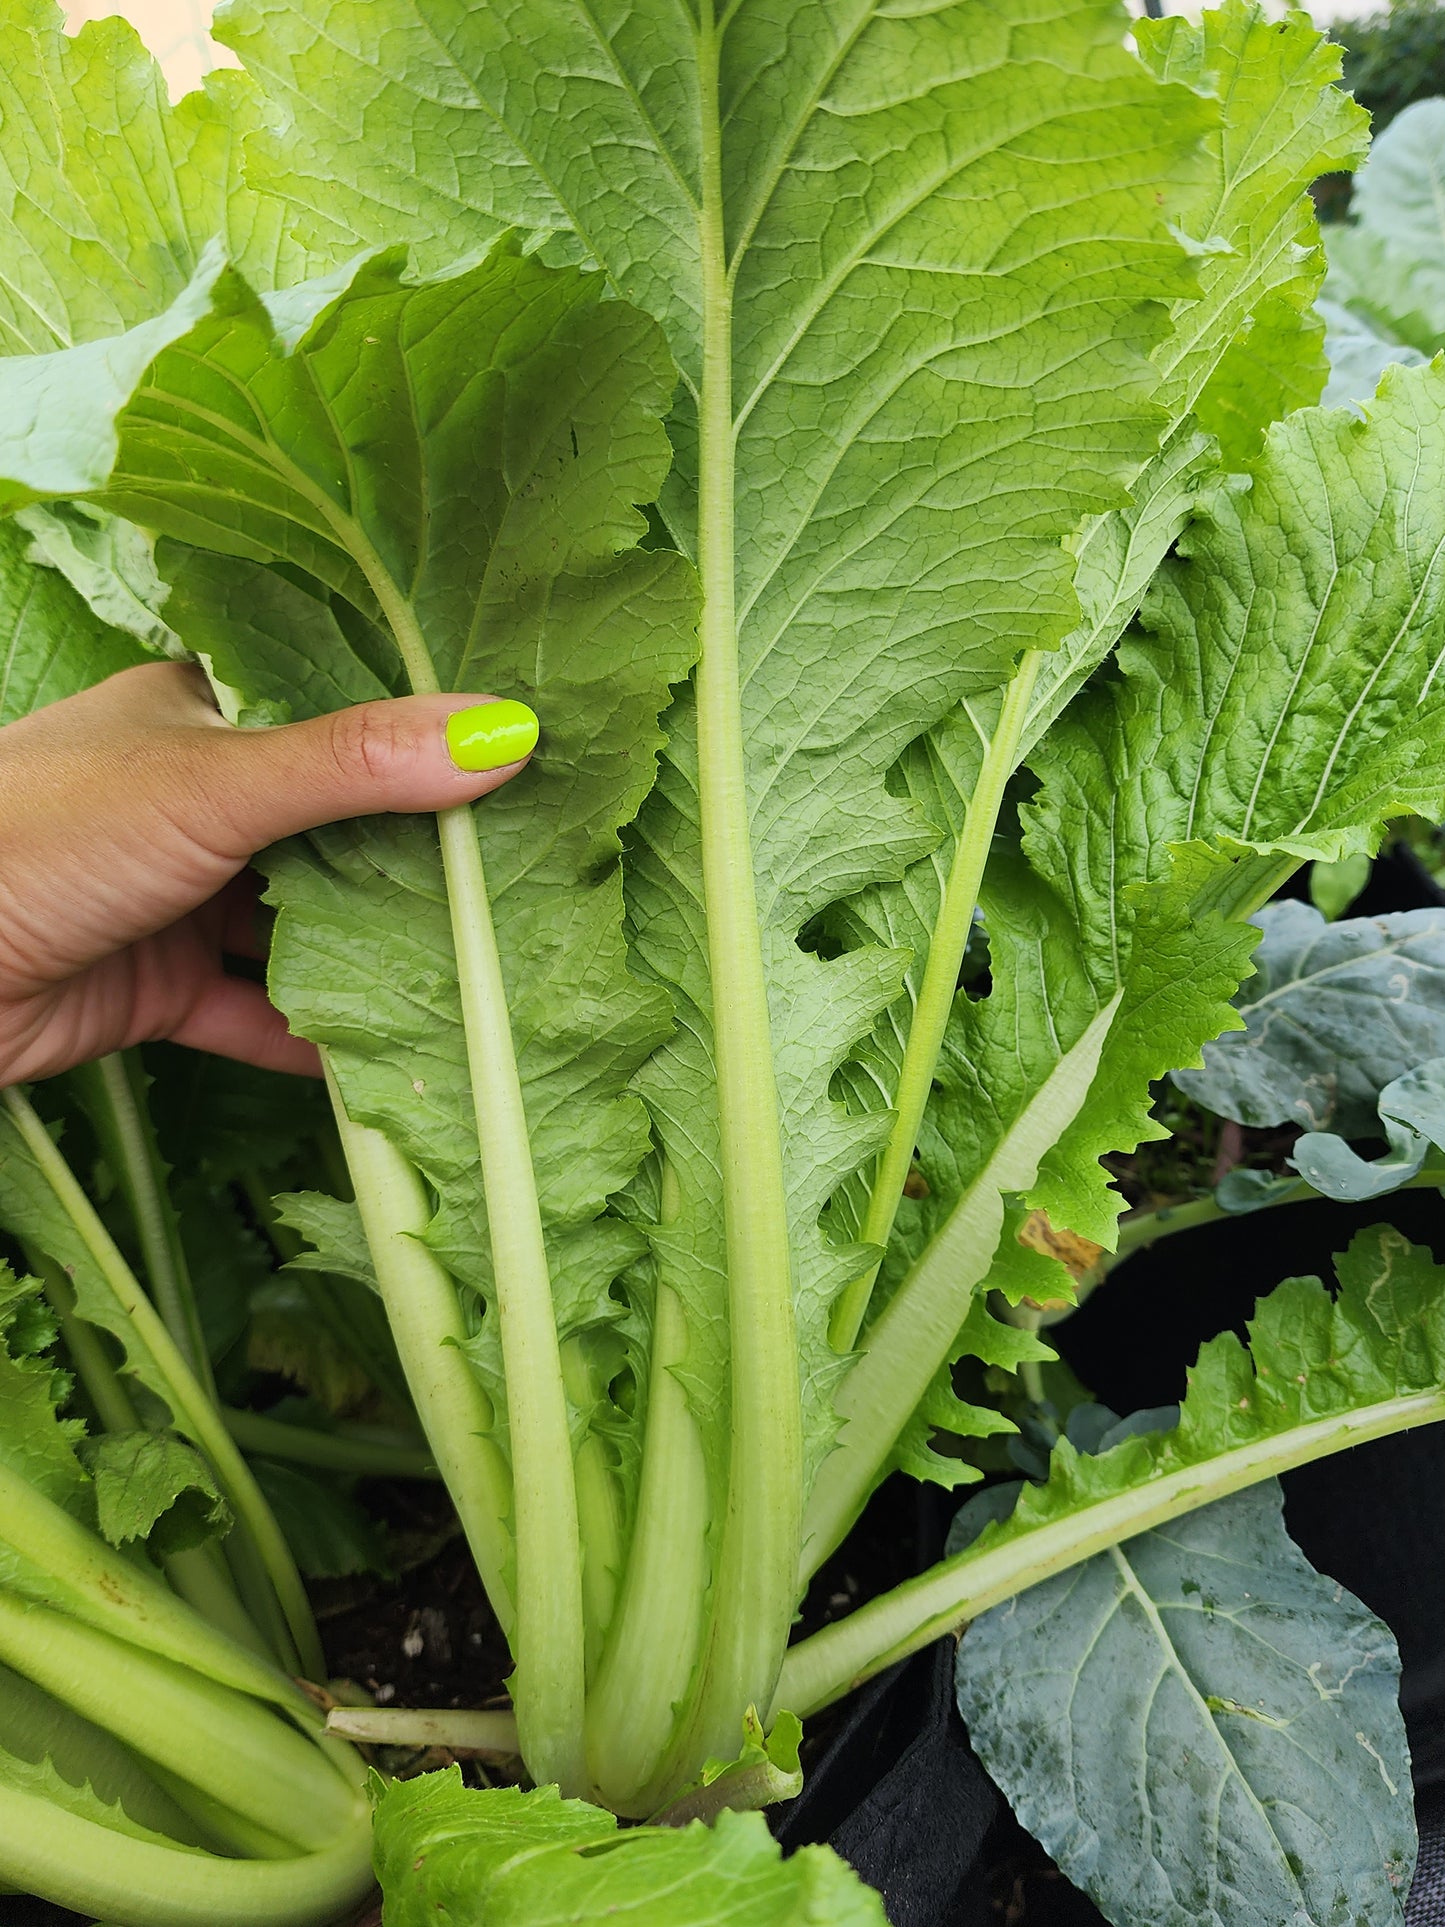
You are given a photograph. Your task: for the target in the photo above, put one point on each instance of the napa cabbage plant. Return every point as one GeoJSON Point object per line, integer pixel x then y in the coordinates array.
{"type": "Point", "coordinates": [797, 408]}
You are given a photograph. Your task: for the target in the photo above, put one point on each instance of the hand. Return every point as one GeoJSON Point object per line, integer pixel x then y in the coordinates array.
{"type": "Point", "coordinates": [128, 815]}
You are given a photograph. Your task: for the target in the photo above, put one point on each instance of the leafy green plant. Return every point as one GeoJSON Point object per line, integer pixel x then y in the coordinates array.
{"type": "Point", "coordinates": [935, 344]}
{"type": "Point", "coordinates": [1384, 297]}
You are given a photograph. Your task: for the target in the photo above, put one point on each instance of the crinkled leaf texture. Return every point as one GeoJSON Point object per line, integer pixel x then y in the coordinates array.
{"type": "Point", "coordinates": [519, 1859]}
{"type": "Point", "coordinates": [108, 194]}
{"type": "Point", "coordinates": [1333, 1013]}
{"type": "Point", "coordinates": [1321, 1372]}
{"type": "Point", "coordinates": [35, 1440]}
{"type": "Point", "coordinates": [155, 1488]}
{"type": "Point", "coordinates": [902, 368]}
{"type": "Point", "coordinates": [1199, 1727]}
{"type": "Point", "coordinates": [466, 453]}
{"type": "Point", "coordinates": [1252, 226]}
{"type": "Point", "coordinates": [1283, 701]}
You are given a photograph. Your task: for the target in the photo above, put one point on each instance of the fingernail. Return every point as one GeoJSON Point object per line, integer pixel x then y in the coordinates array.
{"type": "Point", "coordinates": [491, 735]}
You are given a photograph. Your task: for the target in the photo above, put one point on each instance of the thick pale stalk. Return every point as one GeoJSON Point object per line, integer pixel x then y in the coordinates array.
{"type": "Point", "coordinates": [549, 1645]}
{"type": "Point", "coordinates": [549, 1640]}
{"type": "Point", "coordinates": [86, 1578]}
{"type": "Point", "coordinates": [937, 992]}
{"type": "Point", "coordinates": [245, 1755]}
{"type": "Point", "coordinates": [193, 1411]}
{"type": "Point", "coordinates": [753, 1584]}
{"type": "Point", "coordinates": [822, 1669]}
{"type": "Point", "coordinates": [488, 1731]}
{"type": "Point", "coordinates": [427, 1323]}
{"type": "Point", "coordinates": [136, 1883]}
{"type": "Point", "coordinates": [126, 1133]}
{"type": "Point", "coordinates": [904, 1348]}
{"type": "Point", "coordinates": [651, 1654]}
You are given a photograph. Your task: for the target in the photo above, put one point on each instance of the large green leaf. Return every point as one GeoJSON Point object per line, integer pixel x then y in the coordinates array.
{"type": "Point", "coordinates": [1333, 1013]}
{"type": "Point", "coordinates": [1282, 121]}
{"type": "Point", "coordinates": [1282, 704]}
{"type": "Point", "coordinates": [51, 643]}
{"type": "Point", "coordinates": [1199, 1726]}
{"type": "Point", "coordinates": [532, 1860]}
{"type": "Point", "coordinates": [482, 477]}
{"type": "Point", "coordinates": [1386, 264]}
{"type": "Point", "coordinates": [108, 194]}
{"type": "Point", "coordinates": [891, 417]}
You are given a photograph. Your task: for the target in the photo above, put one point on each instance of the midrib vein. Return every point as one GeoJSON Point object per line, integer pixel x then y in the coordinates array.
{"type": "Point", "coordinates": [757, 1558]}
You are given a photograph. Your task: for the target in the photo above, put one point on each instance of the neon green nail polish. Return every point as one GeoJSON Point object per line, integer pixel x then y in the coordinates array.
{"type": "Point", "coordinates": [491, 735]}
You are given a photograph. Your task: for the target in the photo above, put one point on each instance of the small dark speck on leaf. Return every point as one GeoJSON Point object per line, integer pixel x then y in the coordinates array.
{"type": "Point", "coordinates": [576, 451]}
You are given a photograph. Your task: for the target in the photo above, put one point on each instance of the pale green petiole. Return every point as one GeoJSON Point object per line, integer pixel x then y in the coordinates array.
{"type": "Point", "coordinates": [548, 1640]}
{"type": "Point", "coordinates": [96, 1870]}
{"type": "Point", "coordinates": [915, 1335]}
{"type": "Point", "coordinates": [426, 1320]}
{"type": "Point", "coordinates": [937, 992]}
{"type": "Point", "coordinates": [193, 1411]}
{"type": "Point", "coordinates": [252, 1760]}
{"type": "Point", "coordinates": [821, 1669]}
{"type": "Point", "coordinates": [757, 1551]}
{"type": "Point", "coordinates": [129, 1141]}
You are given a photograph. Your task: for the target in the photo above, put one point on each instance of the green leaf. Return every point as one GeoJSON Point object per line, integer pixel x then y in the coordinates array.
{"type": "Point", "coordinates": [288, 1335]}
{"type": "Point", "coordinates": [329, 1532]}
{"type": "Point", "coordinates": [501, 543]}
{"type": "Point", "coordinates": [1198, 1726]}
{"type": "Point", "coordinates": [108, 194]}
{"type": "Point", "coordinates": [109, 563]}
{"type": "Point", "coordinates": [533, 114]}
{"type": "Point", "coordinates": [51, 644]}
{"type": "Point", "coordinates": [1253, 229]}
{"type": "Point", "coordinates": [154, 1487]}
{"type": "Point", "coordinates": [35, 1440]}
{"type": "Point", "coordinates": [1386, 263]}
{"type": "Point", "coordinates": [1411, 1118]}
{"type": "Point", "coordinates": [230, 1120]}
{"type": "Point", "coordinates": [1322, 1372]}
{"type": "Point", "coordinates": [1358, 355]}
{"type": "Point", "coordinates": [1284, 122]}
{"type": "Point", "coordinates": [1278, 363]}
{"type": "Point", "coordinates": [31, 1211]}
{"type": "Point", "coordinates": [334, 1228]}
{"type": "Point", "coordinates": [1282, 703]}
{"type": "Point", "coordinates": [533, 1860]}
{"type": "Point", "coordinates": [1333, 1013]}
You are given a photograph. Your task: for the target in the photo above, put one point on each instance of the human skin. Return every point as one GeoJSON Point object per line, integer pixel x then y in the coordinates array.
{"type": "Point", "coordinates": [128, 816]}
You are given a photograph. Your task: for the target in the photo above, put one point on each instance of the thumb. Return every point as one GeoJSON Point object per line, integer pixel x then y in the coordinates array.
{"type": "Point", "coordinates": [126, 807]}
{"type": "Point", "coordinates": [253, 786]}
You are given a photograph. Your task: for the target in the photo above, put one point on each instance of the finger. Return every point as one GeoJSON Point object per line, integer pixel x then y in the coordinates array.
{"type": "Point", "coordinates": [233, 1018]}
{"type": "Point", "coordinates": [125, 808]}
{"type": "Point", "coordinates": [252, 787]}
